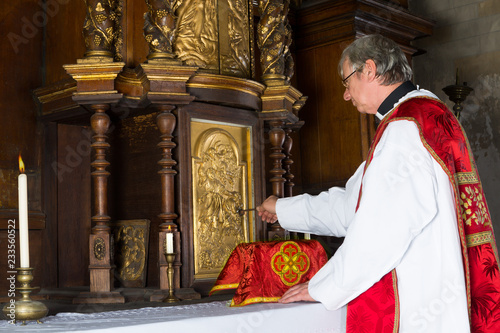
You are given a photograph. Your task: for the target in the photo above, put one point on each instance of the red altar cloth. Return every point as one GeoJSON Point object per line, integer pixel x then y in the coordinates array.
{"type": "Point", "coordinates": [262, 271]}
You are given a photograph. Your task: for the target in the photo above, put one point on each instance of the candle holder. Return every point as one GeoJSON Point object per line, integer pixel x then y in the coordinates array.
{"type": "Point", "coordinates": [457, 93]}
{"type": "Point", "coordinates": [171, 298]}
{"type": "Point", "coordinates": [25, 308]}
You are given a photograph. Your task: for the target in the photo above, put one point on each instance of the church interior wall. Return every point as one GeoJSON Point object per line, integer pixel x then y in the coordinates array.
{"type": "Point", "coordinates": [467, 38]}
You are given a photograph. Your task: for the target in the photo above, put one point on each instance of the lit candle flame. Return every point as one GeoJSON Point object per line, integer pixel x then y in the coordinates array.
{"type": "Point", "coordinates": [169, 227]}
{"type": "Point", "coordinates": [21, 164]}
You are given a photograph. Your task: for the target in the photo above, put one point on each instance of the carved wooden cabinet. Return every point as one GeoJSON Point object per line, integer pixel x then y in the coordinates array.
{"type": "Point", "coordinates": [179, 138]}
{"type": "Point", "coordinates": [188, 110]}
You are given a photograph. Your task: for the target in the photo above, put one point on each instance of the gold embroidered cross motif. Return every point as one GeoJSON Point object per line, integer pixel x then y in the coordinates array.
{"type": "Point", "coordinates": [473, 206]}
{"type": "Point", "coordinates": [290, 263]}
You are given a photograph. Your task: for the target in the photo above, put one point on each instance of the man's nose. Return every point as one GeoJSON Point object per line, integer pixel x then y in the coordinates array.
{"type": "Point", "coordinates": [347, 96]}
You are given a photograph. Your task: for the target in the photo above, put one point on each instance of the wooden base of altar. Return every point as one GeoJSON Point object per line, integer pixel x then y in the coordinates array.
{"type": "Point", "coordinates": [181, 293]}
{"type": "Point", "coordinates": [99, 298]}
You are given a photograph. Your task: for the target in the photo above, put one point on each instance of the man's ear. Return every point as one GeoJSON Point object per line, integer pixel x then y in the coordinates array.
{"type": "Point", "coordinates": [370, 70]}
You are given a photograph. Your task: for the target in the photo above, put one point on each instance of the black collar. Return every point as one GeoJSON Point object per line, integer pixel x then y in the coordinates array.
{"type": "Point", "coordinates": [395, 96]}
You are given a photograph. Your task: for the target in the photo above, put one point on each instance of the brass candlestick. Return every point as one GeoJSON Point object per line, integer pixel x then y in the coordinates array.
{"type": "Point", "coordinates": [171, 298]}
{"type": "Point", "coordinates": [25, 309]}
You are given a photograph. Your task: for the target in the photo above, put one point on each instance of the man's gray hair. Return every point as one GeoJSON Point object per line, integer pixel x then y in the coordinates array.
{"type": "Point", "coordinates": [392, 65]}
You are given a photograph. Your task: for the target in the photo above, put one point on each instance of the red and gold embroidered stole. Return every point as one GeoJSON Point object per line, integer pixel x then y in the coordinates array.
{"type": "Point", "coordinates": [445, 140]}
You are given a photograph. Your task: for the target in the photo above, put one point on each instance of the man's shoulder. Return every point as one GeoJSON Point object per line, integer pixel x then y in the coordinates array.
{"type": "Point", "coordinates": [421, 107]}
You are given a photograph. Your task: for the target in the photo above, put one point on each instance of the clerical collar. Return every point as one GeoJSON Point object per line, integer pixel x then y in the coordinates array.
{"type": "Point", "coordinates": [388, 104]}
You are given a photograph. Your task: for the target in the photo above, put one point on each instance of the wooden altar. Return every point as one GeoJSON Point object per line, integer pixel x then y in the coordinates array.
{"type": "Point", "coordinates": [185, 116]}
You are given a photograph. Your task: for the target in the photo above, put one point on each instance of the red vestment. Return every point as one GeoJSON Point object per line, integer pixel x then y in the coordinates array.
{"type": "Point", "coordinates": [376, 310]}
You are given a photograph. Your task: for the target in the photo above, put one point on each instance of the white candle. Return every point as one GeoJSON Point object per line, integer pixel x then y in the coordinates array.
{"type": "Point", "coordinates": [23, 216]}
{"type": "Point", "coordinates": [169, 241]}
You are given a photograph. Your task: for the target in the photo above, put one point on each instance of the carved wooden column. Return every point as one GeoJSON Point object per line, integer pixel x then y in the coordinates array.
{"type": "Point", "coordinates": [167, 91]}
{"type": "Point", "coordinates": [280, 101]}
{"type": "Point", "coordinates": [100, 244]}
{"type": "Point", "coordinates": [95, 89]}
{"type": "Point", "coordinates": [287, 163]}
{"type": "Point", "coordinates": [166, 122]}
{"type": "Point", "coordinates": [277, 138]}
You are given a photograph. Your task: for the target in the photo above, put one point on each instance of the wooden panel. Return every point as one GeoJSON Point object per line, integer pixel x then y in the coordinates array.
{"type": "Point", "coordinates": [20, 47]}
{"type": "Point", "coordinates": [335, 137]}
{"type": "Point", "coordinates": [74, 209]}
{"type": "Point", "coordinates": [134, 184]}
{"type": "Point", "coordinates": [49, 194]}
{"type": "Point", "coordinates": [330, 138]}
{"type": "Point", "coordinates": [63, 37]}
{"type": "Point", "coordinates": [135, 48]}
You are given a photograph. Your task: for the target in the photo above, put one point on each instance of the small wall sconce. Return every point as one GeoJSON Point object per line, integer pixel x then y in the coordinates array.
{"type": "Point", "coordinates": [457, 94]}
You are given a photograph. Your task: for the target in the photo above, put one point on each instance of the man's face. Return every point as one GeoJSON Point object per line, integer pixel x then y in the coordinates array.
{"type": "Point", "coordinates": [357, 90]}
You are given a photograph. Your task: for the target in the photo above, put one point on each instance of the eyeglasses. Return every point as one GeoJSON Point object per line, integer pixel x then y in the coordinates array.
{"type": "Point", "coordinates": [344, 81]}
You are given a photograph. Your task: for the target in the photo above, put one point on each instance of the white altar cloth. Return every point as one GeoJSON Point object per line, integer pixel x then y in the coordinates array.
{"type": "Point", "coordinates": [214, 317]}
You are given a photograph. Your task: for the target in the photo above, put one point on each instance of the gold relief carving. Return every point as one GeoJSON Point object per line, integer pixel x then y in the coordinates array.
{"type": "Point", "coordinates": [237, 60]}
{"type": "Point", "coordinates": [130, 251]}
{"type": "Point", "coordinates": [197, 38]}
{"type": "Point", "coordinates": [99, 248]}
{"type": "Point", "coordinates": [220, 183]}
{"type": "Point", "coordinates": [102, 29]}
{"type": "Point", "coordinates": [159, 27]}
{"type": "Point", "coordinates": [215, 36]}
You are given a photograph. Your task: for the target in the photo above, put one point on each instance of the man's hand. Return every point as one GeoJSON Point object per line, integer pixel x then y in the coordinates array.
{"type": "Point", "coordinates": [297, 293]}
{"type": "Point", "coordinates": [267, 211]}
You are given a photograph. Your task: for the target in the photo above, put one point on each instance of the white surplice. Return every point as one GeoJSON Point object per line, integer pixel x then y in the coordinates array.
{"type": "Point", "coordinates": [406, 220]}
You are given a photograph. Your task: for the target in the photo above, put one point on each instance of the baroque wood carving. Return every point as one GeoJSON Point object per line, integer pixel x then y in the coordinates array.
{"type": "Point", "coordinates": [274, 39]}
{"type": "Point", "coordinates": [102, 30]}
{"type": "Point", "coordinates": [159, 27]}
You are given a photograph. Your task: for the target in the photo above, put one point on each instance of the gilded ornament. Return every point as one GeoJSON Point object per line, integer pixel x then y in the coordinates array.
{"type": "Point", "coordinates": [220, 189]}
{"type": "Point", "coordinates": [101, 18]}
{"type": "Point", "coordinates": [473, 200]}
{"type": "Point", "coordinates": [130, 251]}
{"type": "Point", "coordinates": [290, 263]}
{"type": "Point", "coordinates": [99, 248]}
{"type": "Point", "coordinates": [99, 7]}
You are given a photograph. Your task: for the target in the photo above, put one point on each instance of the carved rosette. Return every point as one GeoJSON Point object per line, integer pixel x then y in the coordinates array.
{"type": "Point", "coordinates": [159, 28]}
{"type": "Point", "coordinates": [102, 30]}
{"type": "Point", "coordinates": [274, 39]}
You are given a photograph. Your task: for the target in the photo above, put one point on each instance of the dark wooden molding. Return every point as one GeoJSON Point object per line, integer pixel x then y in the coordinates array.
{"type": "Point", "coordinates": [36, 219]}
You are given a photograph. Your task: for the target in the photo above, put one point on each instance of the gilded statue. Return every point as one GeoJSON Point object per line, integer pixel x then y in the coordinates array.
{"type": "Point", "coordinates": [237, 61]}
{"type": "Point", "coordinates": [197, 35]}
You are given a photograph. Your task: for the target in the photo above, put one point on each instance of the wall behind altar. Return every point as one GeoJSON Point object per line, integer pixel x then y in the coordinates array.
{"type": "Point", "coordinates": [467, 37]}
{"type": "Point", "coordinates": [21, 25]}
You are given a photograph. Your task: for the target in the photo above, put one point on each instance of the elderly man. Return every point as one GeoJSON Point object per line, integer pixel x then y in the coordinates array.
{"type": "Point", "coordinates": [419, 251]}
